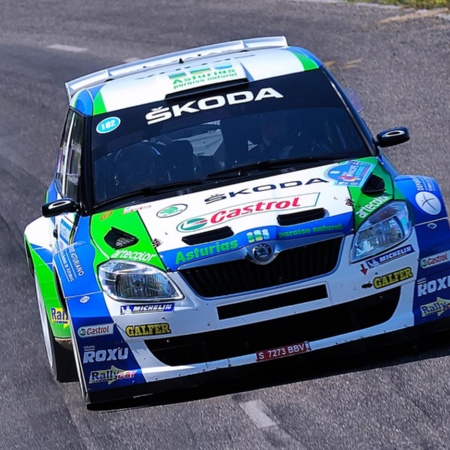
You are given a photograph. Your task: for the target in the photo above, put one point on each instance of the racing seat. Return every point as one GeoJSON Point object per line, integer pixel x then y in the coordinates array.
{"type": "Point", "coordinates": [138, 166]}
{"type": "Point", "coordinates": [180, 160]}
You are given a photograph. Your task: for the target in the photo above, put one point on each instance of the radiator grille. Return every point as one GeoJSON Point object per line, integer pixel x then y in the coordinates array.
{"type": "Point", "coordinates": [242, 275]}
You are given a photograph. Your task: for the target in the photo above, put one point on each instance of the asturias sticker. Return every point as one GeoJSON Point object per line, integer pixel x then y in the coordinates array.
{"type": "Point", "coordinates": [107, 125]}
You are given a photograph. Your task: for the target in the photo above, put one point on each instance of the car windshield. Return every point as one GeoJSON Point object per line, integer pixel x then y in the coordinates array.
{"type": "Point", "coordinates": [202, 136]}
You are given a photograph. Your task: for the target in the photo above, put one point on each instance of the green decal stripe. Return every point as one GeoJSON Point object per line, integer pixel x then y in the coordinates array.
{"type": "Point", "coordinates": [360, 200]}
{"type": "Point", "coordinates": [131, 223]}
{"type": "Point", "coordinates": [308, 64]}
{"type": "Point", "coordinates": [99, 104]}
{"type": "Point", "coordinates": [46, 280]}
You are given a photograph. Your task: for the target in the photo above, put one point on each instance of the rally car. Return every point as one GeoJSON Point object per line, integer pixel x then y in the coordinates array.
{"type": "Point", "coordinates": [221, 207]}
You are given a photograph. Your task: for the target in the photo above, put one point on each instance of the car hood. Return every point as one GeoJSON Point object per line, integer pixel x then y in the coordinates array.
{"type": "Point", "coordinates": [306, 205]}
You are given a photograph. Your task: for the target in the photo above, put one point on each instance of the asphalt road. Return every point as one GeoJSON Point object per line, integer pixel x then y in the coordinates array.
{"type": "Point", "coordinates": [398, 61]}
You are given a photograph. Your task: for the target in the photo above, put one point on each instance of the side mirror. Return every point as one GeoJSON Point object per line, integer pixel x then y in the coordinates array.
{"type": "Point", "coordinates": [393, 136]}
{"type": "Point", "coordinates": [63, 206]}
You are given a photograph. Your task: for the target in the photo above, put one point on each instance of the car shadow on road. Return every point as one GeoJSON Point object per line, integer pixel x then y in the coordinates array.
{"type": "Point", "coordinates": [315, 365]}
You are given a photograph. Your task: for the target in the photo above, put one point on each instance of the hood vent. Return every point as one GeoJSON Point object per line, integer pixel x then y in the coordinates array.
{"type": "Point", "coordinates": [119, 239]}
{"type": "Point", "coordinates": [374, 185]}
{"type": "Point", "coordinates": [301, 217]}
{"type": "Point", "coordinates": [208, 236]}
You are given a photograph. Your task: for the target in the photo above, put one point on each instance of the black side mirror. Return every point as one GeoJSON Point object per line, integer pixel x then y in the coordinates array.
{"type": "Point", "coordinates": [63, 206]}
{"type": "Point", "coordinates": [393, 136]}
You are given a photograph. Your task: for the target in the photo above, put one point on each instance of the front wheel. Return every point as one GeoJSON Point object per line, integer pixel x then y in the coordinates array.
{"type": "Point", "coordinates": [61, 360]}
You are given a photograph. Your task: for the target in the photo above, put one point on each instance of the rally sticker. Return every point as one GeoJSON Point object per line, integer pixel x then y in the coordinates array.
{"type": "Point", "coordinates": [108, 125]}
{"type": "Point", "coordinates": [351, 173]}
{"type": "Point", "coordinates": [429, 203]}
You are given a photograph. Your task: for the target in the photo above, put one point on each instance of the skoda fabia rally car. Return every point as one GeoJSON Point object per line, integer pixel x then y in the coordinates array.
{"type": "Point", "coordinates": [222, 207]}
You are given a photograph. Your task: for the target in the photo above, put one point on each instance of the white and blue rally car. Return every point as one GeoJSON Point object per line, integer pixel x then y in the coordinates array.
{"type": "Point", "coordinates": [225, 206]}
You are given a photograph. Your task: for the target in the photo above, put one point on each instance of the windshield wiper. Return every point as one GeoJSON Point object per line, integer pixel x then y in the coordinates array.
{"type": "Point", "coordinates": [150, 191]}
{"type": "Point", "coordinates": [272, 164]}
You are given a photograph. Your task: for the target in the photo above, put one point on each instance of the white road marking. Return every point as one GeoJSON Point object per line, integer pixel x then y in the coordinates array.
{"type": "Point", "coordinates": [132, 59]}
{"type": "Point", "coordinates": [254, 409]}
{"type": "Point", "coordinates": [67, 48]}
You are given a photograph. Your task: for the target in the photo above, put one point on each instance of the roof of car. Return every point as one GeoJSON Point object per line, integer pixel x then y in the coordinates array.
{"type": "Point", "coordinates": [154, 79]}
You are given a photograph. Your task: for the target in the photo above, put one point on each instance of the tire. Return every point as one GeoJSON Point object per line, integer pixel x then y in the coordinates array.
{"type": "Point", "coordinates": [61, 360]}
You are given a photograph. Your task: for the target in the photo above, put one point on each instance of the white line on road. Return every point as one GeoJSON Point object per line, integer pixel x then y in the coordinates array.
{"type": "Point", "coordinates": [67, 48]}
{"type": "Point", "coordinates": [254, 409]}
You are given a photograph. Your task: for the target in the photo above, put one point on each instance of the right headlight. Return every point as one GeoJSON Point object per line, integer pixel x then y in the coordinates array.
{"type": "Point", "coordinates": [126, 280]}
{"type": "Point", "coordinates": [384, 229]}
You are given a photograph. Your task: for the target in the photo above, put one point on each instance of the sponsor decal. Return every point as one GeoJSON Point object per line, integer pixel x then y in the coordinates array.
{"type": "Point", "coordinates": [438, 307]}
{"type": "Point", "coordinates": [130, 209]}
{"type": "Point", "coordinates": [110, 354]}
{"type": "Point", "coordinates": [258, 235]}
{"type": "Point", "coordinates": [150, 329]}
{"type": "Point", "coordinates": [351, 173]}
{"type": "Point", "coordinates": [106, 215]}
{"type": "Point", "coordinates": [71, 264]}
{"type": "Point", "coordinates": [64, 231]}
{"type": "Point", "coordinates": [423, 183]}
{"type": "Point", "coordinates": [382, 259]}
{"type": "Point", "coordinates": [96, 330]}
{"type": "Point", "coordinates": [172, 210]}
{"type": "Point", "coordinates": [237, 211]}
{"type": "Point", "coordinates": [392, 278]}
{"type": "Point", "coordinates": [59, 316]}
{"type": "Point", "coordinates": [434, 260]}
{"type": "Point", "coordinates": [364, 211]}
{"type": "Point", "coordinates": [110, 375]}
{"type": "Point", "coordinates": [133, 256]}
{"type": "Point", "coordinates": [281, 352]}
{"type": "Point", "coordinates": [429, 203]}
{"type": "Point", "coordinates": [154, 307]}
{"type": "Point", "coordinates": [164, 113]}
{"type": "Point", "coordinates": [203, 75]}
{"type": "Point", "coordinates": [107, 125]}
{"type": "Point", "coordinates": [304, 231]}
{"type": "Point", "coordinates": [84, 299]}
{"type": "Point", "coordinates": [263, 188]}
{"type": "Point", "coordinates": [425, 287]}
{"type": "Point", "coordinates": [206, 250]}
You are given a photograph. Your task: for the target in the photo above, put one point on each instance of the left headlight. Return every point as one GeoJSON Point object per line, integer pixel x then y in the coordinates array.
{"type": "Point", "coordinates": [126, 280]}
{"type": "Point", "coordinates": [384, 229]}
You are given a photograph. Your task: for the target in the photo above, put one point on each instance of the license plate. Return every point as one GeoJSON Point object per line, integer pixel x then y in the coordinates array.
{"type": "Point", "coordinates": [282, 352]}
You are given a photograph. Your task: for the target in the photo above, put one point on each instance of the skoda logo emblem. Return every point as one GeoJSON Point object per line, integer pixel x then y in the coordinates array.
{"type": "Point", "coordinates": [262, 252]}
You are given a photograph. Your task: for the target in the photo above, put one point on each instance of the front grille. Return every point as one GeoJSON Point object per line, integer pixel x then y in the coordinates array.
{"type": "Point", "coordinates": [310, 326]}
{"type": "Point", "coordinates": [242, 275]}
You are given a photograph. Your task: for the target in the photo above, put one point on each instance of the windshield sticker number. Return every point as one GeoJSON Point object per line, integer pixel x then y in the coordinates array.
{"type": "Point", "coordinates": [108, 125]}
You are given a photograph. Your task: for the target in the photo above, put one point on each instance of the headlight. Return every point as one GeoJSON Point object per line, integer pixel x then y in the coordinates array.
{"type": "Point", "coordinates": [384, 229]}
{"type": "Point", "coordinates": [125, 280]}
